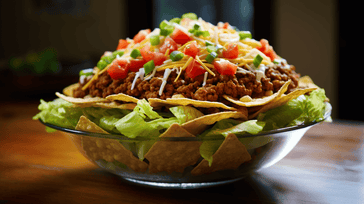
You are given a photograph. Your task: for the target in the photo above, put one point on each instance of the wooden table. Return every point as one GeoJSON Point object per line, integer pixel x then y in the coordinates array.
{"type": "Point", "coordinates": [37, 167]}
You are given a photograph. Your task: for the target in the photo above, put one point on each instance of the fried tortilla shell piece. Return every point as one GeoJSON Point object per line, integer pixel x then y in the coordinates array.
{"type": "Point", "coordinates": [107, 149]}
{"type": "Point", "coordinates": [80, 101]}
{"type": "Point", "coordinates": [198, 125]}
{"type": "Point", "coordinates": [156, 102]}
{"type": "Point", "coordinates": [281, 101]}
{"type": "Point", "coordinates": [259, 101]}
{"type": "Point", "coordinates": [68, 91]}
{"type": "Point", "coordinates": [230, 155]}
{"type": "Point", "coordinates": [173, 156]}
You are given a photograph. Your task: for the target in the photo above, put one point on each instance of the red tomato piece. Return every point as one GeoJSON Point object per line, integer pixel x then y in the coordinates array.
{"type": "Point", "coordinates": [231, 52]}
{"type": "Point", "coordinates": [267, 49]}
{"type": "Point", "coordinates": [158, 58]}
{"type": "Point", "coordinates": [141, 35]}
{"type": "Point", "coordinates": [224, 26]}
{"type": "Point", "coordinates": [122, 44]}
{"type": "Point", "coordinates": [194, 69]}
{"type": "Point", "coordinates": [180, 36]}
{"type": "Point", "coordinates": [191, 49]}
{"type": "Point", "coordinates": [224, 67]}
{"type": "Point", "coordinates": [146, 53]}
{"type": "Point", "coordinates": [118, 69]}
{"type": "Point", "coordinates": [170, 44]}
{"type": "Point", "coordinates": [136, 64]}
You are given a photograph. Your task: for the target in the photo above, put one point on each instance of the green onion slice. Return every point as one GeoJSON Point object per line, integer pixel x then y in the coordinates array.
{"type": "Point", "coordinates": [135, 53]}
{"type": "Point", "coordinates": [257, 60]}
{"type": "Point", "coordinates": [148, 67]}
{"type": "Point", "coordinates": [244, 34]}
{"type": "Point", "coordinates": [207, 43]}
{"type": "Point", "coordinates": [211, 48]}
{"type": "Point", "coordinates": [176, 56]}
{"type": "Point", "coordinates": [192, 16]}
{"type": "Point", "coordinates": [154, 40]}
{"type": "Point", "coordinates": [210, 57]}
{"type": "Point", "coordinates": [86, 72]}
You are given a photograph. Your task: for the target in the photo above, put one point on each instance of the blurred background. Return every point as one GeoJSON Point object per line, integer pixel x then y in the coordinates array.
{"type": "Point", "coordinates": [45, 43]}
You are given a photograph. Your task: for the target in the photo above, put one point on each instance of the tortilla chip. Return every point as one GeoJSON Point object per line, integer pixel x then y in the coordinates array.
{"type": "Point", "coordinates": [114, 104]}
{"type": "Point", "coordinates": [259, 101]}
{"type": "Point", "coordinates": [281, 101]}
{"type": "Point", "coordinates": [68, 91]}
{"type": "Point", "coordinates": [198, 125]}
{"type": "Point", "coordinates": [230, 155]}
{"type": "Point", "coordinates": [80, 100]}
{"type": "Point", "coordinates": [107, 149]}
{"type": "Point", "coordinates": [306, 82]}
{"type": "Point", "coordinates": [173, 156]}
{"type": "Point", "coordinates": [122, 97]}
{"type": "Point", "coordinates": [156, 102]}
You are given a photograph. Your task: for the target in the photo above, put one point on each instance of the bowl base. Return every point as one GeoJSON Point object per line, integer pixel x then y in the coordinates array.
{"type": "Point", "coordinates": [180, 185]}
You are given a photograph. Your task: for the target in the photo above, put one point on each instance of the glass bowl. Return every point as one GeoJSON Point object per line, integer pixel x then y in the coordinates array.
{"type": "Point", "coordinates": [107, 150]}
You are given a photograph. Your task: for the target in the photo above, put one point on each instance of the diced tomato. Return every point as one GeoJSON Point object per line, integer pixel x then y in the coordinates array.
{"type": "Point", "coordinates": [267, 49]}
{"type": "Point", "coordinates": [231, 51]}
{"type": "Point", "coordinates": [141, 35]}
{"type": "Point", "coordinates": [170, 44]}
{"type": "Point", "coordinates": [118, 69]}
{"type": "Point", "coordinates": [223, 26]}
{"type": "Point", "coordinates": [136, 64]}
{"type": "Point", "coordinates": [148, 55]}
{"type": "Point", "coordinates": [194, 69]}
{"type": "Point", "coordinates": [122, 44]}
{"type": "Point", "coordinates": [191, 49]}
{"type": "Point", "coordinates": [224, 67]}
{"type": "Point", "coordinates": [159, 58]}
{"type": "Point", "coordinates": [180, 36]}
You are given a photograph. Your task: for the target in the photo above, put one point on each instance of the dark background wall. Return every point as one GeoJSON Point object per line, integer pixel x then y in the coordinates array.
{"type": "Point", "coordinates": [44, 44]}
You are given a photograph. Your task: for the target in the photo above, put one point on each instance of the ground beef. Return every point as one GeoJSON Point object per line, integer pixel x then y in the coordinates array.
{"type": "Point", "coordinates": [237, 86]}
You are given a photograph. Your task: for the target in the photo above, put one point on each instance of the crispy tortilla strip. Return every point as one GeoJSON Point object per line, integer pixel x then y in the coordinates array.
{"type": "Point", "coordinates": [198, 125]}
{"type": "Point", "coordinates": [68, 91]}
{"type": "Point", "coordinates": [173, 156]}
{"type": "Point", "coordinates": [114, 104]}
{"type": "Point", "coordinates": [156, 102]}
{"type": "Point", "coordinates": [122, 97]}
{"type": "Point", "coordinates": [230, 155]}
{"type": "Point", "coordinates": [107, 149]}
{"type": "Point", "coordinates": [259, 101]}
{"type": "Point", "coordinates": [281, 101]}
{"type": "Point", "coordinates": [80, 100]}
{"type": "Point", "coordinates": [306, 82]}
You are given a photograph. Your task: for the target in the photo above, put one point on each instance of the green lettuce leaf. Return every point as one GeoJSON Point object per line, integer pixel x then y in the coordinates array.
{"type": "Point", "coordinates": [303, 109]}
{"type": "Point", "coordinates": [223, 128]}
{"type": "Point", "coordinates": [58, 112]}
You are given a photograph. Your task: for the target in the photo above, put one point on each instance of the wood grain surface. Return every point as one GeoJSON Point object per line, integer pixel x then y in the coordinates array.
{"type": "Point", "coordinates": [38, 167]}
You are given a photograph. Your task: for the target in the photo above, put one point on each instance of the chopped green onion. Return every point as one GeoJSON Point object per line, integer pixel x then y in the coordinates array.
{"type": "Point", "coordinates": [86, 72]}
{"type": "Point", "coordinates": [196, 26]}
{"type": "Point", "coordinates": [192, 16]}
{"type": "Point", "coordinates": [135, 53]}
{"type": "Point", "coordinates": [148, 67]}
{"type": "Point", "coordinates": [203, 33]}
{"type": "Point", "coordinates": [166, 30]}
{"type": "Point", "coordinates": [210, 57]}
{"type": "Point", "coordinates": [163, 24]}
{"type": "Point", "coordinates": [176, 56]}
{"type": "Point", "coordinates": [257, 60]}
{"type": "Point", "coordinates": [244, 34]}
{"type": "Point", "coordinates": [207, 43]}
{"type": "Point", "coordinates": [118, 52]}
{"type": "Point", "coordinates": [104, 61]}
{"type": "Point", "coordinates": [276, 61]}
{"type": "Point", "coordinates": [154, 40]}
{"type": "Point", "coordinates": [175, 20]}
{"type": "Point", "coordinates": [211, 48]}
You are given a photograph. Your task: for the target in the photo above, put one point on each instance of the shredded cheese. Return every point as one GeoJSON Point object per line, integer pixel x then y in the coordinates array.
{"type": "Point", "coordinates": [204, 66]}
